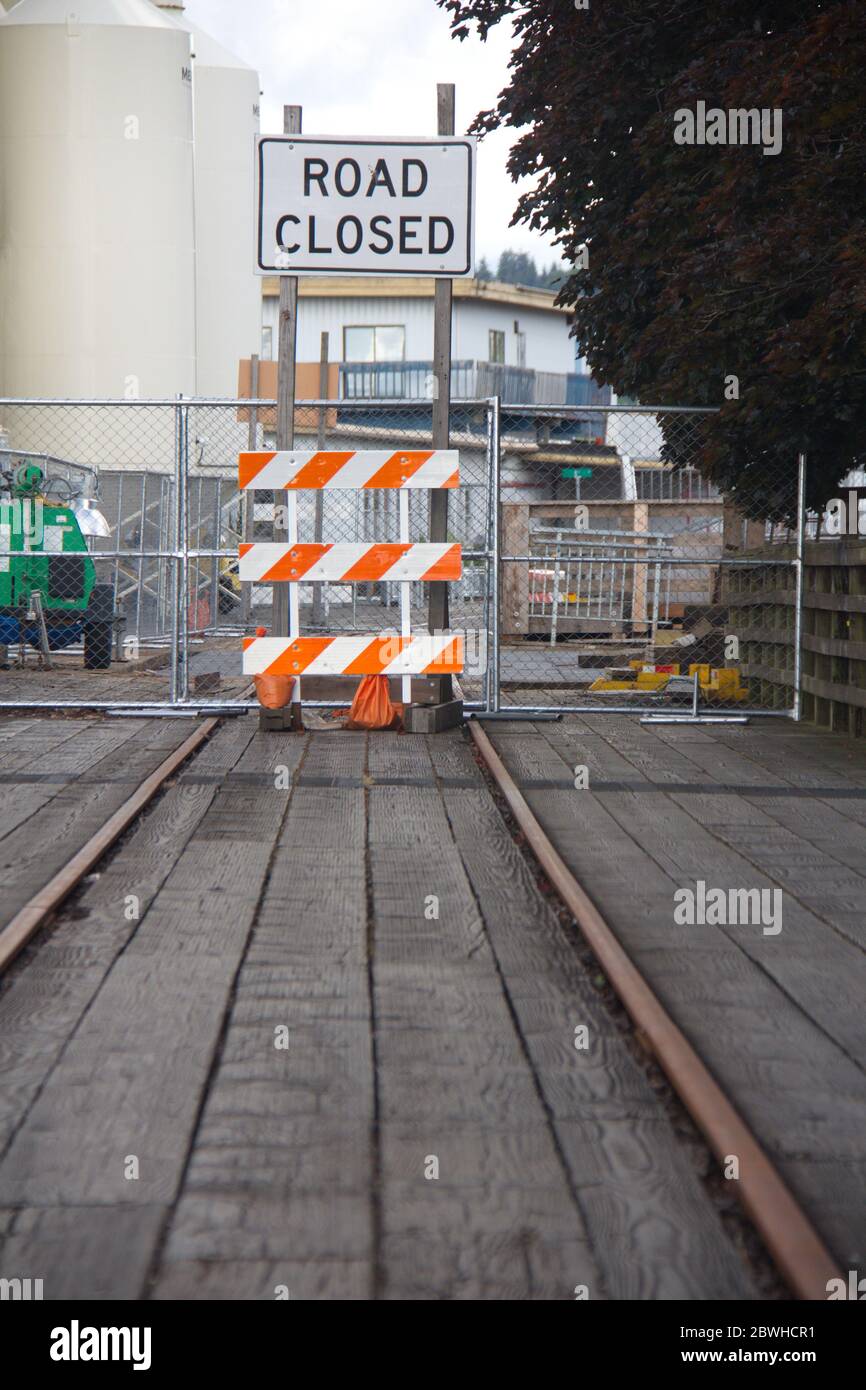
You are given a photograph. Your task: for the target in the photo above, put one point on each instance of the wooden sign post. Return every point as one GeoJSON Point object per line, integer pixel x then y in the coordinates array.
{"type": "Point", "coordinates": [320, 606]}
{"type": "Point", "coordinates": [437, 611]}
{"type": "Point", "coordinates": [285, 615]}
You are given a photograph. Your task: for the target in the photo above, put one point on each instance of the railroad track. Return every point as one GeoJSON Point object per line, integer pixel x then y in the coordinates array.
{"type": "Point", "coordinates": [794, 1245]}
{"type": "Point", "coordinates": [27, 921]}
{"type": "Point", "coordinates": [791, 1239]}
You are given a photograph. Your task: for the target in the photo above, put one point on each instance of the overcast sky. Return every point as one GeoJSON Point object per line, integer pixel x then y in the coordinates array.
{"type": "Point", "coordinates": [370, 67]}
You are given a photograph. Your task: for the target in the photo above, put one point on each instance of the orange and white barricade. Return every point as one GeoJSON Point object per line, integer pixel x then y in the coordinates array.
{"type": "Point", "coordinates": [403, 562]}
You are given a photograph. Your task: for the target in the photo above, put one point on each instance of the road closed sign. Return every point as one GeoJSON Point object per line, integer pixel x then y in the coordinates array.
{"type": "Point", "coordinates": [364, 207]}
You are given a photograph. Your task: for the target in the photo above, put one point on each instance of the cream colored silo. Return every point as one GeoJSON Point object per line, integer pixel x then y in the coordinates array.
{"type": "Point", "coordinates": [228, 294]}
{"type": "Point", "coordinates": [97, 257]}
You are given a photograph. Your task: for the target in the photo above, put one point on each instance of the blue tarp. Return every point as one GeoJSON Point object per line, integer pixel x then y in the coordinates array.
{"type": "Point", "coordinates": [12, 630]}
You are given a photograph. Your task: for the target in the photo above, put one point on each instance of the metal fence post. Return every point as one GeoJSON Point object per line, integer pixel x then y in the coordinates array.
{"type": "Point", "coordinates": [174, 669]}
{"type": "Point", "coordinates": [496, 546]}
{"type": "Point", "coordinates": [183, 684]}
{"type": "Point", "coordinates": [248, 497]}
{"type": "Point", "coordinates": [799, 567]}
{"type": "Point", "coordinates": [488, 558]}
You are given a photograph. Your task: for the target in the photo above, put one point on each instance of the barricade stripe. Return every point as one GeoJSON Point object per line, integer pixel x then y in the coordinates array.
{"type": "Point", "coordinates": [450, 658]}
{"type": "Point", "coordinates": [265, 562]}
{"type": "Point", "coordinates": [319, 471]}
{"type": "Point", "coordinates": [361, 654]}
{"type": "Point", "coordinates": [291, 469]}
{"type": "Point", "coordinates": [374, 658]}
{"type": "Point", "coordinates": [250, 465]}
{"type": "Point", "coordinates": [399, 468]}
{"type": "Point", "coordinates": [374, 561]}
{"type": "Point", "coordinates": [450, 566]}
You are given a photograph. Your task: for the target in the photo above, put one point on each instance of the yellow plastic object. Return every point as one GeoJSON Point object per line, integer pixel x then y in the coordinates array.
{"type": "Point", "coordinates": [720, 683]}
{"type": "Point", "coordinates": [725, 686]}
{"type": "Point", "coordinates": [652, 680]}
{"type": "Point", "coordinates": [602, 683]}
{"type": "Point", "coordinates": [642, 680]}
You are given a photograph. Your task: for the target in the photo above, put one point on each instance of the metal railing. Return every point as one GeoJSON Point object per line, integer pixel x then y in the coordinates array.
{"type": "Point", "coordinates": [470, 380]}
{"type": "Point", "coordinates": [584, 581]}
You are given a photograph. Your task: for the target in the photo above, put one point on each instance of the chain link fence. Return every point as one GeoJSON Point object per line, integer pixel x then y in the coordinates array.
{"type": "Point", "coordinates": [608, 577]}
{"type": "Point", "coordinates": [629, 582]}
{"type": "Point", "coordinates": [216, 435]}
{"type": "Point", "coordinates": [145, 494]}
{"type": "Point", "coordinates": [88, 579]}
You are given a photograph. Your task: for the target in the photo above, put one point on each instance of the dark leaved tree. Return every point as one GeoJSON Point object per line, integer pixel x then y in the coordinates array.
{"type": "Point", "coordinates": [705, 262]}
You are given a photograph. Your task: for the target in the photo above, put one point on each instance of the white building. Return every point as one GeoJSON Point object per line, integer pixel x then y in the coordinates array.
{"type": "Point", "coordinates": [386, 325]}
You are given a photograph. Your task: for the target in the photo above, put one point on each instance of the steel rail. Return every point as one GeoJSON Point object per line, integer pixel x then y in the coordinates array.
{"type": "Point", "coordinates": [789, 1236]}
{"type": "Point", "coordinates": [520, 710]}
{"type": "Point", "coordinates": [648, 555]}
{"type": "Point", "coordinates": [33, 914]}
{"type": "Point", "coordinates": [355, 403]}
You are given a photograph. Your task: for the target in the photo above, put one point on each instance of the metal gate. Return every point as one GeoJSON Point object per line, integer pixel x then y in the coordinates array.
{"type": "Point", "coordinates": [628, 584]}
{"type": "Point", "coordinates": [174, 518]}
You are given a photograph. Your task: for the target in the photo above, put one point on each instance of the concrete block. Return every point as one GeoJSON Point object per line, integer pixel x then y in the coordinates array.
{"type": "Point", "coordinates": [433, 719]}
{"type": "Point", "coordinates": [280, 721]}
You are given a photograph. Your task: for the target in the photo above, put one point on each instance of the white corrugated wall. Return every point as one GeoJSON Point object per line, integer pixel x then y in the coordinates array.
{"type": "Point", "coordinates": [96, 201]}
{"type": "Point", "coordinates": [227, 292]}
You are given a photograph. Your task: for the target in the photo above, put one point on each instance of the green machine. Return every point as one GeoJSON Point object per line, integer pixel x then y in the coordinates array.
{"type": "Point", "coordinates": [49, 597]}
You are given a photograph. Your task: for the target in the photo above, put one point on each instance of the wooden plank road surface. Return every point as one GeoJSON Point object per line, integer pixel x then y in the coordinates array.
{"type": "Point", "coordinates": [331, 1052]}
{"type": "Point", "coordinates": [777, 1016]}
{"type": "Point", "coordinates": [60, 780]}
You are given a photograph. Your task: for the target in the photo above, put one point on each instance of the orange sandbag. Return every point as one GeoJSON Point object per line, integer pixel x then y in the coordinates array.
{"type": "Point", "coordinates": [274, 692]}
{"type": "Point", "coordinates": [372, 707]}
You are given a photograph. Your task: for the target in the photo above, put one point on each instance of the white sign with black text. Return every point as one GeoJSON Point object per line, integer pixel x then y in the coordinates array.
{"type": "Point", "coordinates": [364, 207]}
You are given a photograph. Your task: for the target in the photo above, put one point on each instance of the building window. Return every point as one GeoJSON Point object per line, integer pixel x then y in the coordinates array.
{"type": "Point", "coordinates": [376, 343]}
{"type": "Point", "coordinates": [267, 344]}
{"type": "Point", "coordinates": [497, 345]}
